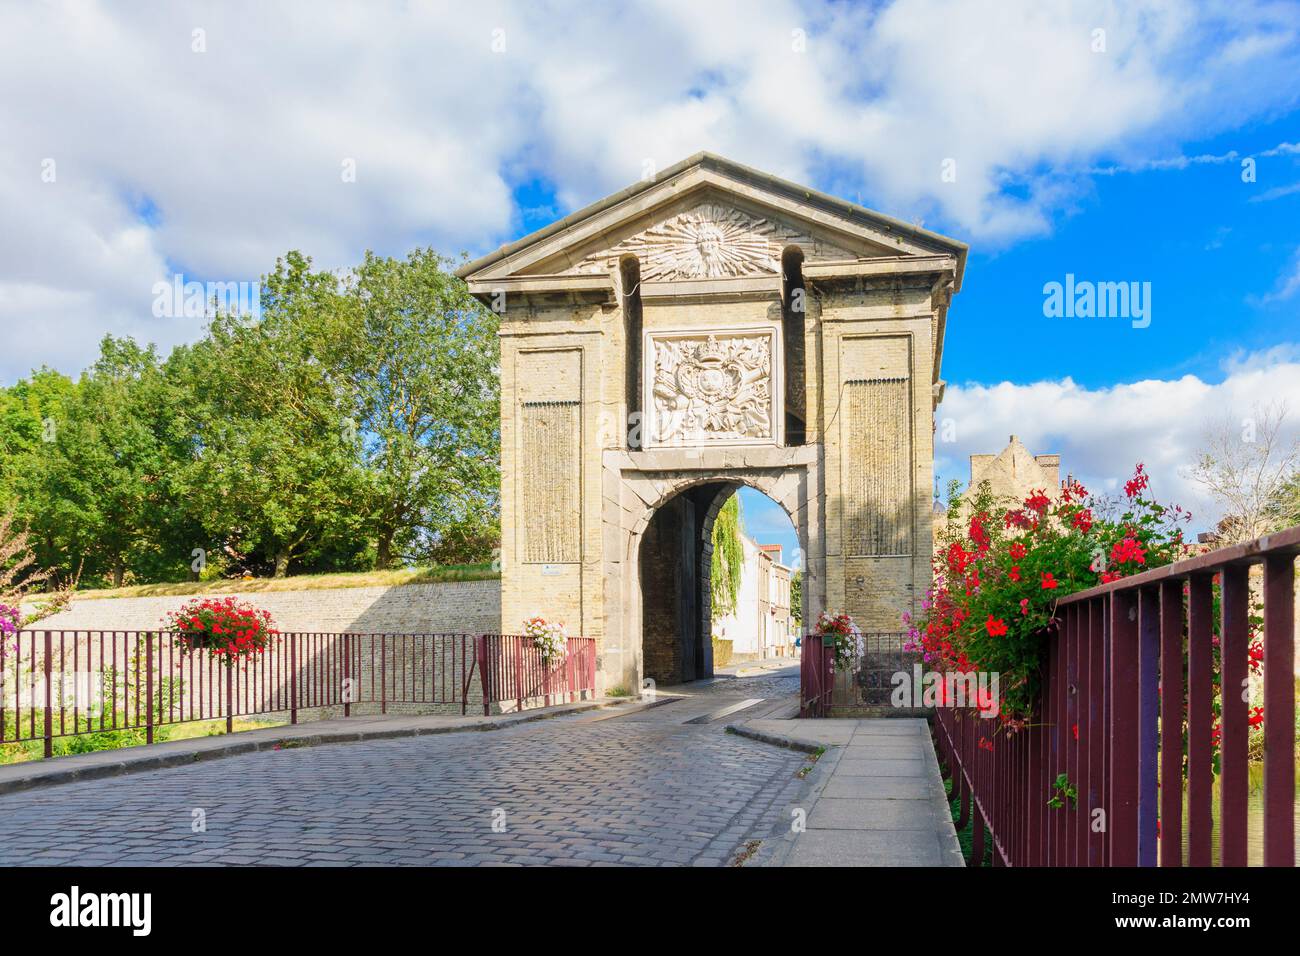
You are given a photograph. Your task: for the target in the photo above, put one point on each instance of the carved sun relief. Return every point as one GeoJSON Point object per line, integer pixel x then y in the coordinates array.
{"type": "Point", "coordinates": [713, 388]}
{"type": "Point", "coordinates": [709, 241]}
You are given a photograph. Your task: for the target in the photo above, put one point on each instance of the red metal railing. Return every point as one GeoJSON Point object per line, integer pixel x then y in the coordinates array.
{"type": "Point", "coordinates": [68, 683]}
{"type": "Point", "coordinates": [1129, 662]}
{"type": "Point", "coordinates": [816, 677]}
{"type": "Point", "coordinates": [511, 667]}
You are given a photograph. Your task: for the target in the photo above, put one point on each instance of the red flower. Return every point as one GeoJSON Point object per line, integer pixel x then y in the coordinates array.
{"type": "Point", "coordinates": [1024, 605]}
{"type": "Point", "coordinates": [995, 628]}
{"type": "Point", "coordinates": [1256, 716]}
{"type": "Point", "coordinates": [1038, 501]}
{"type": "Point", "coordinates": [1128, 550]}
{"type": "Point", "coordinates": [1048, 582]}
{"type": "Point", "coordinates": [1137, 483]}
{"type": "Point", "coordinates": [1014, 573]}
{"type": "Point", "coordinates": [1083, 520]}
{"type": "Point", "coordinates": [1017, 551]}
{"type": "Point", "coordinates": [958, 558]}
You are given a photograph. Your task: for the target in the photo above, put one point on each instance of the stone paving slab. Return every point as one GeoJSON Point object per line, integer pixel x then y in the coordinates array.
{"type": "Point", "coordinates": [869, 813]}
{"type": "Point", "coordinates": [876, 796]}
{"type": "Point", "coordinates": [866, 848]}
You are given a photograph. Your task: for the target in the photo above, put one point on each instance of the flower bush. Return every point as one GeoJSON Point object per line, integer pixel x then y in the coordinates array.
{"type": "Point", "coordinates": [997, 583]}
{"type": "Point", "coordinates": [840, 628]}
{"type": "Point", "coordinates": [225, 627]}
{"type": "Point", "coordinates": [551, 639]}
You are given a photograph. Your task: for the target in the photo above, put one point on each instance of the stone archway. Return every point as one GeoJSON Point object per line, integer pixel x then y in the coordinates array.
{"type": "Point", "coordinates": [680, 494]}
{"type": "Point", "coordinates": [674, 570]}
{"type": "Point", "coordinates": [715, 324]}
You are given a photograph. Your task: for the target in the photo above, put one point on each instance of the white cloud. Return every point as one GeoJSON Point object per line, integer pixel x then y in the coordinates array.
{"type": "Point", "coordinates": [1102, 433]}
{"type": "Point", "coordinates": [1288, 283]}
{"type": "Point", "coordinates": [239, 148]}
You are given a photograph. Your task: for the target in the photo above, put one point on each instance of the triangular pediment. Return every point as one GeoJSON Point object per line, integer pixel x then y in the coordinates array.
{"type": "Point", "coordinates": [708, 218]}
{"type": "Point", "coordinates": [711, 239]}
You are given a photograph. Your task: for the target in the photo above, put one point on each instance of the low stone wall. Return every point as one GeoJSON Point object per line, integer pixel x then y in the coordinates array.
{"type": "Point", "coordinates": [417, 668]}
{"type": "Point", "coordinates": [722, 652]}
{"type": "Point", "coordinates": [456, 607]}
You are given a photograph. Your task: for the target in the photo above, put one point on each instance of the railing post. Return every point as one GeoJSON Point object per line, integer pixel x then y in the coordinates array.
{"type": "Point", "coordinates": [148, 685]}
{"type": "Point", "coordinates": [1171, 723]}
{"type": "Point", "coordinates": [1148, 723]}
{"type": "Point", "coordinates": [293, 678]}
{"type": "Point", "coordinates": [347, 674]}
{"type": "Point", "coordinates": [383, 674]}
{"type": "Point", "coordinates": [1234, 782]}
{"type": "Point", "coordinates": [1122, 818]}
{"type": "Point", "coordinates": [1200, 718]}
{"type": "Point", "coordinates": [519, 674]}
{"type": "Point", "coordinates": [230, 694]}
{"type": "Point", "coordinates": [977, 841]}
{"type": "Point", "coordinates": [485, 677]}
{"type": "Point", "coordinates": [49, 716]}
{"type": "Point", "coordinates": [1279, 711]}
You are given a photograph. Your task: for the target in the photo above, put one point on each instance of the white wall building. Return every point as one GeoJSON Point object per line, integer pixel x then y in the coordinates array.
{"type": "Point", "coordinates": [760, 627]}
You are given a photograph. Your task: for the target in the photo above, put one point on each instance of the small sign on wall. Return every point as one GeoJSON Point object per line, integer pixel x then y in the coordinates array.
{"type": "Point", "coordinates": [551, 570]}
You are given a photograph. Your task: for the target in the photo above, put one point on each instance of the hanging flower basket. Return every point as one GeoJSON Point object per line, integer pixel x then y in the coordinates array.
{"type": "Point", "coordinates": [839, 633]}
{"type": "Point", "coordinates": [551, 640]}
{"type": "Point", "coordinates": [226, 628]}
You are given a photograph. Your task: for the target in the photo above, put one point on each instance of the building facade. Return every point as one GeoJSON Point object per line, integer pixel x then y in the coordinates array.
{"type": "Point", "coordinates": [1012, 475]}
{"type": "Point", "coordinates": [708, 328]}
{"type": "Point", "coordinates": [759, 626]}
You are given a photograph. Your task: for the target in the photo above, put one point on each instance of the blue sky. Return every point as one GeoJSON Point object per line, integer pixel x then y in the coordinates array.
{"type": "Point", "coordinates": [1217, 250]}
{"type": "Point", "coordinates": [1099, 139]}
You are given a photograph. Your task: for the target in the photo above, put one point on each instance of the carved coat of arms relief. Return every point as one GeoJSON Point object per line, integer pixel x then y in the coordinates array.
{"type": "Point", "coordinates": [712, 388]}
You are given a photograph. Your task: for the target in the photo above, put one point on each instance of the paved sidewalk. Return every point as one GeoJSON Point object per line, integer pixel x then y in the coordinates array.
{"type": "Point", "coordinates": [876, 796]}
{"type": "Point", "coordinates": [175, 753]}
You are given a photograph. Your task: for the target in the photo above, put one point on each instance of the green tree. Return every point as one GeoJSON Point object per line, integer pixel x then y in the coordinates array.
{"type": "Point", "coordinates": [273, 458]}
{"type": "Point", "coordinates": [728, 556]}
{"type": "Point", "coordinates": [92, 491]}
{"type": "Point", "coordinates": [419, 357]}
{"type": "Point", "coordinates": [30, 411]}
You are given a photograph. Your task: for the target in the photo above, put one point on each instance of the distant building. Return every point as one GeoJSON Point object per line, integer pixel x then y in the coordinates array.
{"type": "Point", "coordinates": [1013, 475]}
{"type": "Point", "coordinates": [760, 627]}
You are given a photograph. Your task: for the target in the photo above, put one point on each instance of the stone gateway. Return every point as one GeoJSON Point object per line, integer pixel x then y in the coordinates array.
{"type": "Point", "coordinates": [710, 328]}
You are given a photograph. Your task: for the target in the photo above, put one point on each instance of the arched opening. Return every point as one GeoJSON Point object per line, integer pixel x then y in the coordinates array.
{"type": "Point", "coordinates": [794, 307]}
{"type": "Point", "coordinates": [629, 272]}
{"type": "Point", "coordinates": [719, 576]}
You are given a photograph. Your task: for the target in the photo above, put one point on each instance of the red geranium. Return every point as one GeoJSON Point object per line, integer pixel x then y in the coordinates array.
{"type": "Point", "coordinates": [226, 628]}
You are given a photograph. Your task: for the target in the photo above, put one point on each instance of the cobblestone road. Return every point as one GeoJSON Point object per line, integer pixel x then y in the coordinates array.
{"type": "Point", "coordinates": [645, 788]}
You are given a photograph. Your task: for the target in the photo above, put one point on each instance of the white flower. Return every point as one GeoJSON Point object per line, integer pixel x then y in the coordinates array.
{"type": "Point", "coordinates": [550, 639]}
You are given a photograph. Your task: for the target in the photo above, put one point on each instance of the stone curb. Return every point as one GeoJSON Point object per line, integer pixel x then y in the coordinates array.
{"type": "Point", "coordinates": [949, 846]}
{"type": "Point", "coordinates": [774, 853]}
{"type": "Point", "coordinates": [777, 740]}
{"type": "Point", "coordinates": [51, 776]}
